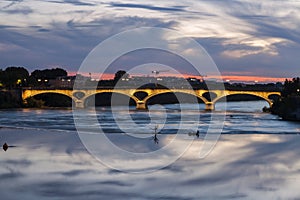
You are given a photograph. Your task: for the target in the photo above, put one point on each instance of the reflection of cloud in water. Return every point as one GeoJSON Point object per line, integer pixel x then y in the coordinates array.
{"type": "Point", "coordinates": [20, 163]}
{"type": "Point", "coordinates": [114, 183]}
{"type": "Point", "coordinates": [10, 175]}
{"type": "Point", "coordinates": [75, 172]}
{"type": "Point", "coordinates": [55, 165]}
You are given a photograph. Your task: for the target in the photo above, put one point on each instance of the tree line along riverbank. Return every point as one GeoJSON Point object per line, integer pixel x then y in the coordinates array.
{"type": "Point", "coordinates": [288, 106]}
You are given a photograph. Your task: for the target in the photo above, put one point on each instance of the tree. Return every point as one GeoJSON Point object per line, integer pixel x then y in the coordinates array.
{"type": "Point", "coordinates": [1, 78]}
{"type": "Point", "coordinates": [120, 74]}
{"type": "Point", "coordinates": [41, 77]}
{"type": "Point", "coordinates": [291, 87]}
{"type": "Point", "coordinates": [49, 73]}
{"type": "Point", "coordinates": [289, 103]}
{"type": "Point", "coordinates": [7, 100]}
{"type": "Point", "coordinates": [14, 77]}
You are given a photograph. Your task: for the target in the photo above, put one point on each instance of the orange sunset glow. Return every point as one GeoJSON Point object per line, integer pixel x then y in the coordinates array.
{"type": "Point", "coordinates": [225, 78]}
{"type": "Point", "coordinates": [248, 79]}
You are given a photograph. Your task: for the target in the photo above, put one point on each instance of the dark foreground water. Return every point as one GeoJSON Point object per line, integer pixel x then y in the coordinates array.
{"type": "Point", "coordinates": [237, 117]}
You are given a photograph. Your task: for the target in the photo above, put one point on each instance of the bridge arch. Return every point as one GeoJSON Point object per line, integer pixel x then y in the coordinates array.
{"type": "Point", "coordinates": [263, 97]}
{"type": "Point", "coordinates": [89, 96]}
{"type": "Point", "coordinates": [52, 99]}
{"type": "Point", "coordinates": [209, 95]}
{"type": "Point", "coordinates": [274, 97]}
{"type": "Point", "coordinates": [190, 93]}
{"type": "Point", "coordinates": [141, 95]}
{"type": "Point", "coordinates": [31, 93]}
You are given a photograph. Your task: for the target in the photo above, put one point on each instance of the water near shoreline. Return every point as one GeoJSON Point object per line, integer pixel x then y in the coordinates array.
{"type": "Point", "coordinates": [240, 118]}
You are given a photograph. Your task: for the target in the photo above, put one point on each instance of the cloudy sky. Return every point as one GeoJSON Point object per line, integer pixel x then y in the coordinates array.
{"type": "Point", "coordinates": [247, 39]}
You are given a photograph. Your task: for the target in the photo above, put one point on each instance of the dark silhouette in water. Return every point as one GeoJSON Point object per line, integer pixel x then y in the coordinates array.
{"type": "Point", "coordinates": [155, 138]}
{"type": "Point", "coordinates": [155, 135]}
{"type": "Point", "coordinates": [197, 134]}
{"type": "Point", "coordinates": [5, 146]}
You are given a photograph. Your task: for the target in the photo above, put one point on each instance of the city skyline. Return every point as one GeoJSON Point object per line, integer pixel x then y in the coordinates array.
{"type": "Point", "coordinates": [246, 39]}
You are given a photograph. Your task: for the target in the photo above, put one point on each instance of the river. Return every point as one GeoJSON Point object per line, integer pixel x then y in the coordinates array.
{"type": "Point", "coordinates": [257, 157]}
{"type": "Point", "coordinates": [240, 118]}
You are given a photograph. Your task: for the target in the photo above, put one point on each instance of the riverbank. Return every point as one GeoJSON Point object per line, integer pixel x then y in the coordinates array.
{"type": "Point", "coordinates": [10, 99]}
{"type": "Point", "coordinates": [47, 164]}
{"type": "Point", "coordinates": [288, 108]}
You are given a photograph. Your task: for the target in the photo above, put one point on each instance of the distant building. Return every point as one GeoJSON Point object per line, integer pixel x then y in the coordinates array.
{"type": "Point", "coordinates": [62, 82]}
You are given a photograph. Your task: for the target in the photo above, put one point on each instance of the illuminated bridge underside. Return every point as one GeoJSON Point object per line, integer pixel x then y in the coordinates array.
{"type": "Point", "coordinates": [142, 103]}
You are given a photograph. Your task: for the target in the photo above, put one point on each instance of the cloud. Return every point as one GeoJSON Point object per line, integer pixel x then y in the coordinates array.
{"type": "Point", "coordinates": [255, 36]}
{"type": "Point", "coordinates": [9, 48]}
{"type": "Point", "coordinates": [148, 7]}
{"type": "Point", "coordinates": [265, 28]}
{"type": "Point", "coordinates": [261, 64]}
{"type": "Point", "coordinates": [252, 46]}
{"type": "Point", "coordinates": [65, 44]}
{"type": "Point", "coordinates": [270, 23]}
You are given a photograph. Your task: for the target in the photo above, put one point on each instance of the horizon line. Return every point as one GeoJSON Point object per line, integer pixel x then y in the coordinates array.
{"type": "Point", "coordinates": [225, 78]}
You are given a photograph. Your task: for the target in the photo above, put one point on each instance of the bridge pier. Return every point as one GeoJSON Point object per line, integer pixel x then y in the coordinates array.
{"type": "Point", "coordinates": [209, 106]}
{"type": "Point", "coordinates": [141, 105]}
{"type": "Point", "coordinates": [79, 104]}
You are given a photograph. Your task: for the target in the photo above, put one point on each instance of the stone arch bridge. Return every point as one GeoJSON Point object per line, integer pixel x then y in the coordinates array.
{"type": "Point", "coordinates": [79, 97]}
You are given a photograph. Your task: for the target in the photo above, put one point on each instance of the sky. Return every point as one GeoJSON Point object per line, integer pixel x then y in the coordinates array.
{"type": "Point", "coordinates": [248, 40]}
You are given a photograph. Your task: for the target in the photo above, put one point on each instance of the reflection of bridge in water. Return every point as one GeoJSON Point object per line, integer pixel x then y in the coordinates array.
{"type": "Point", "coordinates": [79, 97]}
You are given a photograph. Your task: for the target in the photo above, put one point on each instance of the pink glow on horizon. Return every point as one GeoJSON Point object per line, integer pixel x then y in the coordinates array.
{"type": "Point", "coordinates": [226, 78]}
{"type": "Point", "coordinates": [96, 76]}
{"type": "Point", "coordinates": [252, 79]}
